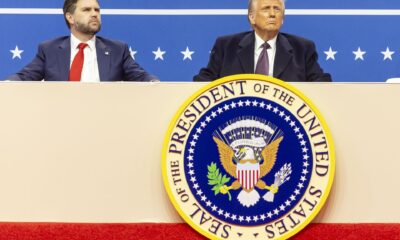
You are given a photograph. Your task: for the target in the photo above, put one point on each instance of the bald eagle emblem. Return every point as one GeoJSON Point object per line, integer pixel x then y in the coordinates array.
{"type": "Point", "coordinates": [246, 156]}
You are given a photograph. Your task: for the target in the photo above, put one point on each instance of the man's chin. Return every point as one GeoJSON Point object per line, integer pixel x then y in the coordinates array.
{"type": "Point", "coordinates": [271, 30]}
{"type": "Point", "coordinates": [93, 31]}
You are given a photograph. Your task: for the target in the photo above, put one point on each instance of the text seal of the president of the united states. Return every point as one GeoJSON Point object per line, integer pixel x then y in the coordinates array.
{"type": "Point", "coordinates": [248, 157]}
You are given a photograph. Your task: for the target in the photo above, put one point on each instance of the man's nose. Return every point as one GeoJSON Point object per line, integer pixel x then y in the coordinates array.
{"type": "Point", "coordinates": [94, 13]}
{"type": "Point", "coordinates": [271, 12]}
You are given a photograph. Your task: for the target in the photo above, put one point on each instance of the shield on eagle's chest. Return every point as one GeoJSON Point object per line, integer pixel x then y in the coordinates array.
{"type": "Point", "coordinates": [248, 174]}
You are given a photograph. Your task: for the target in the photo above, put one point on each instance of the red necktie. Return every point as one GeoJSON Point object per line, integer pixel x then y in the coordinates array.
{"type": "Point", "coordinates": [77, 64]}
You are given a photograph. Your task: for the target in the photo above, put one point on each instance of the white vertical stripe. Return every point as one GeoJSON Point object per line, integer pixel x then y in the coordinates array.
{"type": "Point", "coordinates": [251, 179]}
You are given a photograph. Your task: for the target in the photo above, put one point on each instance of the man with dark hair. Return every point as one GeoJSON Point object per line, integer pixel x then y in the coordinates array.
{"type": "Point", "coordinates": [264, 50]}
{"type": "Point", "coordinates": [83, 56]}
{"type": "Point", "coordinates": [69, 7]}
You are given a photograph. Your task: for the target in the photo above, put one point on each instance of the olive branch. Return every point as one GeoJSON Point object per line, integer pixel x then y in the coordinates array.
{"type": "Point", "coordinates": [216, 179]}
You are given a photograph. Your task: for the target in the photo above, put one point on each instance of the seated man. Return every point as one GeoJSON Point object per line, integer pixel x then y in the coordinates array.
{"type": "Point", "coordinates": [83, 56]}
{"type": "Point", "coordinates": [264, 50]}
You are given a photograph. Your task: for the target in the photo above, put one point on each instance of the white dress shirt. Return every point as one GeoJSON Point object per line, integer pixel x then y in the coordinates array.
{"type": "Point", "coordinates": [90, 70]}
{"type": "Point", "coordinates": [271, 52]}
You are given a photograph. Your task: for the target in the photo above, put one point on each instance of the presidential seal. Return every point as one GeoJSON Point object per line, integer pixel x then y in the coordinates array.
{"type": "Point", "coordinates": [248, 157]}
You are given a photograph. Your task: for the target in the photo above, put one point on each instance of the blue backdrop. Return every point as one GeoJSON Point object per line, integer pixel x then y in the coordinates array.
{"type": "Point", "coordinates": [361, 32]}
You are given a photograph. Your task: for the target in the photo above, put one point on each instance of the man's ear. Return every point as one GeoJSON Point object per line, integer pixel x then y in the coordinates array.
{"type": "Point", "coordinates": [252, 17]}
{"type": "Point", "coordinates": [69, 18]}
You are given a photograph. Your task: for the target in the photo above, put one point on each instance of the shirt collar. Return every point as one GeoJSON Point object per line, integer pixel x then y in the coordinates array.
{"type": "Point", "coordinates": [75, 42]}
{"type": "Point", "coordinates": [260, 41]}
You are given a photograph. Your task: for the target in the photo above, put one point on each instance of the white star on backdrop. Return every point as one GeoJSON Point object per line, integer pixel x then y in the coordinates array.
{"type": "Point", "coordinates": [359, 54]}
{"type": "Point", "coordinates": [133, 53]}
{"type": "Point", "coordinates": [387, 54]}
{"type": "Point", "coordinates": [16, 53]}
{"type": "Point", "coordinates": [187, 54]}
{"type": "Point", "coordinates": [330, 54]}
{"type": "Point", "coordinates": [159, 54]}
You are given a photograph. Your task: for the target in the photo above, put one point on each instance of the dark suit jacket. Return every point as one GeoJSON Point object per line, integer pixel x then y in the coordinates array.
{"type": "Point", "coordinates": [295, 59]}
{"type": "Point", "coordinates": [52, 62]}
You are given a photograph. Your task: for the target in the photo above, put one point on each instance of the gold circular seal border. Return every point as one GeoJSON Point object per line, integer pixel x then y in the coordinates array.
{"type": "Point", "coordinates": [258, 77]}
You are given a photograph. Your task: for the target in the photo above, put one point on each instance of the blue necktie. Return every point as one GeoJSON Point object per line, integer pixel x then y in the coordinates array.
{"type": "Point", "coordinates": [262, 66]}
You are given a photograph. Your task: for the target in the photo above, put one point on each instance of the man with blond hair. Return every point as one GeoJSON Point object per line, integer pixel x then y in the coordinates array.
{"type": "Point", "coordinates": [265, 50]}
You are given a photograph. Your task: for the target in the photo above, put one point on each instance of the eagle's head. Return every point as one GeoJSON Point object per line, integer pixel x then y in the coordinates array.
{"type": "Point", "coordinates": [245, 153]}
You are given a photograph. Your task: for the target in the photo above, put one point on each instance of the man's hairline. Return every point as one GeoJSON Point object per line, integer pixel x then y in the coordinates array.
{"type": "Point", "coordinates": [251, 2]}
{"type": "Point", "coordinates": [74, 9]}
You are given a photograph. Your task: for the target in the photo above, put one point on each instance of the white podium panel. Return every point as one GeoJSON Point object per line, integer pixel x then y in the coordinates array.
{"type": "Point", "coordinates": [76, 152]}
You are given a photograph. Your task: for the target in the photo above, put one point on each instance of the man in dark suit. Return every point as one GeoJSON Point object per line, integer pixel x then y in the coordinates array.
{"type": "Point", "coordinates": [264, 50]}
{"type": "Point", "coordinates": [83, 56]}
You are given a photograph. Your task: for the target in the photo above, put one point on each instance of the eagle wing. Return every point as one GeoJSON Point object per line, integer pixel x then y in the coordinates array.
{"type": "Point", "coordinates": [269, 156]}
{"type": "Point", "coordinates": [225, 155]}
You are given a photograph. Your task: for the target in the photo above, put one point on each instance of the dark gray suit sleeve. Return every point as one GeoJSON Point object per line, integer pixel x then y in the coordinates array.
{"type": "Point", "coordinates": [314, 72]}
{"type": "Point", "coordinates": [34, 71]}
{"type": "Point", "coordinates": [133, 71]}
{"type": "Point", "coordinates": [213, 69]}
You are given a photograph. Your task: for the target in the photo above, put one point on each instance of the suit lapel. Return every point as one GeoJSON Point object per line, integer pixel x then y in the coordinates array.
{"type": "Point", "coordinates": [283, 55]}
{"type": "Point", "coordinates": [245, 53]}
{"type": "Point", "coordinates": [64, 58]}
{"type": "Point", "coordinates": [103, 59]}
